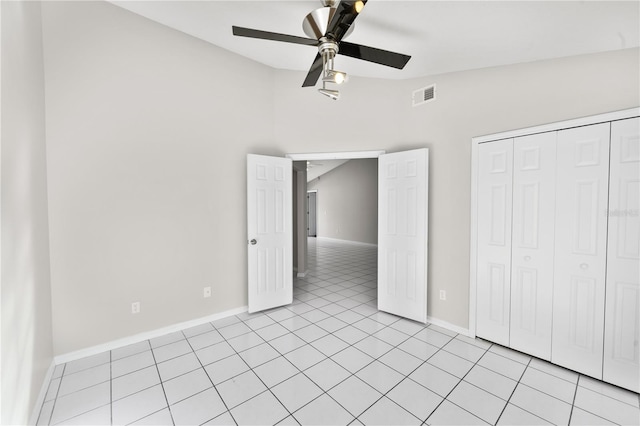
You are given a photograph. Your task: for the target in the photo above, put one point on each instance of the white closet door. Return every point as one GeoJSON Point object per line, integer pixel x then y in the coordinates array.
{"type": "Point", "coordinates": [495, 161]}
{"type": "Point", "coordinates": [580, 248]}
{"type": "Point", "coordinates": [622, 312]}
{"type": "Point", "coordinates": [534, 171]}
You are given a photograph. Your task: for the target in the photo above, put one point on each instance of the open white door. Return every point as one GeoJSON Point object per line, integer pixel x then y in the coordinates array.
{"type": "Point", "coordinates": [402, 233]}
{"type": "Point", "coordinates": [269, 231]}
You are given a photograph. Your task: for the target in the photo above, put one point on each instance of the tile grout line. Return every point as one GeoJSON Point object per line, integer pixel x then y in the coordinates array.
{"type": "Point", "coordinates": [80, 390]}
{"type": "Point", "coordinates": [164, 393]}
{"type": "Point", "coordinates": [513, 392]}
{"type": "Point", "coordinates": [268, 389]}
{"type": "Point", "coordinates": [445, 398]}
{"type": "Point", "coordinates": [110, 387]}
{"type": "Point", "coordinates": [208, 377]}
{"type": "Point", "coordinates": [602, 395]}
{"type": "Point", "coordinates": [406, 377]}
{"type": "Point", "coordinates": [55, 399]}
{"type": "Point", "coordinates": [573, 402]}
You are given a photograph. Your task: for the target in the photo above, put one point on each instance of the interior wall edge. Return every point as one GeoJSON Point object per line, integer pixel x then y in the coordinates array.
{"type": "Point", "coordinates": [35, 412]}
{"type": "Point", "coordinates": [26, 330]}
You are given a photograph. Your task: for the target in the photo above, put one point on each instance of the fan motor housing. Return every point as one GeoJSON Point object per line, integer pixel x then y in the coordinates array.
{"type": "Point", "coordinates": [315, 24]}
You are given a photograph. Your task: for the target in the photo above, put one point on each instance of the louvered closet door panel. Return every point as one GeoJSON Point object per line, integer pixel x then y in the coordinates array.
{"type": "Point", "coordinates": [622, 311]}
{"type": "Point", "coordinates": [534, 171]}
{"type": "Point", "coordinates": [494, 240]}
{"type": "Point", "coordinates": [580, 248]}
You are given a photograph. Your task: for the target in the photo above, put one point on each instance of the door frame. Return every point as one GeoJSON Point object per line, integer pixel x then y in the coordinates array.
{"type": "Point", "coordinates": [316, 156]}
{"type": "Point", "coordinates": [349, 155]}
{"type": "Point", "coordinates": [315, 215]}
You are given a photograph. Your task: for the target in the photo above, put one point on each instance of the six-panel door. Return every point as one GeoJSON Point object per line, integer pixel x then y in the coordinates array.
{"type": "Point", "coordinates": [580, 248]}
{"type": "Point", "coordinates": [403, 189]}
{"type": "Point", "coordinates": [495, 161]}
{"type": "Point", "coordinates": [534, 172]}
{"type": "Point", "coordinates": [622, 317]}
{"type": "Point", "coordinates": [269, 231]}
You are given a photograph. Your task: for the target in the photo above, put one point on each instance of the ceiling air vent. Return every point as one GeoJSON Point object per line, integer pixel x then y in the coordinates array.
{"type": "Point", "coordinates": [424, 95]}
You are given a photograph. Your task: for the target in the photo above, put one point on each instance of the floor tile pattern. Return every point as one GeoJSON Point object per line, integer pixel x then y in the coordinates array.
{"type": "Point", "coordinates": [329, 358]}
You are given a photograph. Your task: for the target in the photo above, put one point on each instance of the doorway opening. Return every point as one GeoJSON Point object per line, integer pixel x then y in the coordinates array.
{"type": "Point", "coordinates": [341, 212]}
{"type": "Point", "coordinates": [312, 165]}
{"type": "Point", "coordinates": [273, 218]}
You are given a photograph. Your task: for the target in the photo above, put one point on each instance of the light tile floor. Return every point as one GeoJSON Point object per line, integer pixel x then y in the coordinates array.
{"type": "Point", "coordinates": [329, 358]}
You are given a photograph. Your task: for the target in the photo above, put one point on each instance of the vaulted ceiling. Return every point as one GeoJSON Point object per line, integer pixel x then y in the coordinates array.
{"type": "Point", "coordinates": [441, 36]}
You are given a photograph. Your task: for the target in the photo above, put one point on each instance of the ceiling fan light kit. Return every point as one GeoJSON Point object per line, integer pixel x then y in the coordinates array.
{"type": "Point", "coordinates": [328, 50]}
{"type": "Point", "coordinates": [333, 76]}
{"type": "Point", "coordinates": [333, 94]}
{"type": "Point", "coordinates": [326, 27]}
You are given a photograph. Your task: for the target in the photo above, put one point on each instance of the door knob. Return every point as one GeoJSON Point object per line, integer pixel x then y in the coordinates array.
{"type": "Point", "coordinates": [527, 258]}
{"type": "Point", "coordinates": [584, 266]}
{"type": "Point", "coordinates": [253, 242]}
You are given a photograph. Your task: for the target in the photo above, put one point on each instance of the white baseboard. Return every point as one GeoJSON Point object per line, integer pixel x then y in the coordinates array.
{"type": "Point", "coordinates": [125, 341]}
{"type": "Point", "coordinates": [449, 326]}
{"type": "Point", "coordinates": [337, 240]}
{"type": "Point", "coordinates": [302, 274]}
{"type": "Point", "coordinates": [43, 394]}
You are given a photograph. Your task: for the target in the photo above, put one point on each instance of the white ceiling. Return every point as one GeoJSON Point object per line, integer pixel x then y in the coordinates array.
{"type": "Point", "coordinates": [317, 168]}
{"type": "Point", "coordinates": [441, 36]}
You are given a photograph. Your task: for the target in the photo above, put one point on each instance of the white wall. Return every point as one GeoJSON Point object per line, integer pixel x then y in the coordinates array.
{"type": "Point", "coordinates": [376, 114]}
{"type": "Point", "coordinates": [26, 336]}
{"type": "Point", "coordinates": [147, 134]}
{"type": "Point", "coordinates": [347, 202]}
{"type": "Point", "coordinates": [148, 131]}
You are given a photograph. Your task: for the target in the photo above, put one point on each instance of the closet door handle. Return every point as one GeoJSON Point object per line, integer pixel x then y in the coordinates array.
{"type": "Point", "coordinates": [527, 258]}
{"type": "Point", "coordinates": [584, 266]}
{"type": "Point", "coordinates": [253, 242]}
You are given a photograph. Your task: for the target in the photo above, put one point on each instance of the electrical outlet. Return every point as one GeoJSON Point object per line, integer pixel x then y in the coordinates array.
{"type": "Point", "coordinates": [135, 308]}
{"type": "Point", "coordinates": [206, 292]}
{"type": "Point", "coordinates": [443, 295]}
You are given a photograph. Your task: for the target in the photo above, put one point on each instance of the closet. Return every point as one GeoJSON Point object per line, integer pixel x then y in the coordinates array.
{"type": "Point", "coordinates": [556, 243]}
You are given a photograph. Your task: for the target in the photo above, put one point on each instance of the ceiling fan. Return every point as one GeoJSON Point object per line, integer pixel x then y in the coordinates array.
{"type": "Point", "coordinates": [326, 27]}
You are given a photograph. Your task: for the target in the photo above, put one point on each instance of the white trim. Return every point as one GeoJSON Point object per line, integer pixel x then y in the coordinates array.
{"type": "Point", "coordinates": [1, 186]}
{"type": "Point", "coordinates": [559, 125]}
{"type": "Point", "coordinates": [473, 240]}
{"type": "Point", "coordinates": [337, 240]}
{"type": "Point", "coordinates": [351, 155]}
{"type": "Point", "coordinates": [35, 413]}
{"type": "Point", "coordinates": [125, 341]}
{"type": "Point", "coordinates": [449, 326]}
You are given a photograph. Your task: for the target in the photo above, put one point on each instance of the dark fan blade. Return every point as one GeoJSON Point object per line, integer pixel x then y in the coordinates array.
{"type": "Point", "coordinates": [343, 18]}
{"type": "Point", "coordinates": [266, 35]}
{"type": "Point", "coordinates": [371, 54]}
{"type": "Point", "coordinates": [314, 72]}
